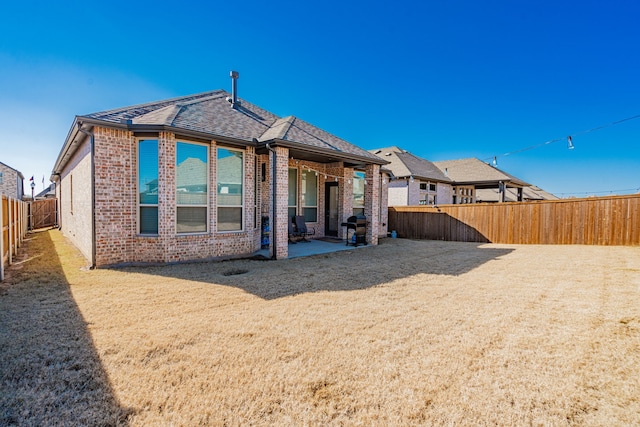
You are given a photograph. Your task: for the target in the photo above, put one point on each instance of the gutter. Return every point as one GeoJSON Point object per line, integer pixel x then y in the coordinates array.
{"type": "Point", "coordinates": [273, 202]}
{"type": "Point", "coordinates": [92, 142]}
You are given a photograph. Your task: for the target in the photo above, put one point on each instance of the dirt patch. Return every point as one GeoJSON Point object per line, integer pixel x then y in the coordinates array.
{"type": "Point", "coordinates": [405, 333]}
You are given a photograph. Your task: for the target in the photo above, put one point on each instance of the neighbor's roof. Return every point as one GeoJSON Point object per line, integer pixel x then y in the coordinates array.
{"type": "Point", "coordinates": [404, 164]}
{"type": "Point", "coordinates": [475, 171]}
{"type": "Point", "coordinates": [210, 115]}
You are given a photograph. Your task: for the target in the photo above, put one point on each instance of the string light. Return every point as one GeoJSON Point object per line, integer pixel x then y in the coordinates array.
{"type": "Point", "coordinates": [569, 139]}
{"type": "Point", "coordinates": [626, 190]}
{"type": "Point", "coordinates": [336, 177]}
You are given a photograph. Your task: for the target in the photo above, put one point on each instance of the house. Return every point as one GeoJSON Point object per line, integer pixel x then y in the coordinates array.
{"type": "Point", "coordinates": [416, 181]}
{"type": "Point", "coordinates": [471, 176]}
{"type": "Point", "coordinates": [207, 176]}
{"type": "Point", "coordinates": [11, 182]}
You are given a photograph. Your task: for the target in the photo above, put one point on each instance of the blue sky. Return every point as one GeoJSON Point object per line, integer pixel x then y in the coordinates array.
{"type": "Point", "coordinates": [441, 79]}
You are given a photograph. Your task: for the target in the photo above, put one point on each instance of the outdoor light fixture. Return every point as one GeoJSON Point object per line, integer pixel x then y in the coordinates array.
{"type": "Point", "coordinates": [570, 142]}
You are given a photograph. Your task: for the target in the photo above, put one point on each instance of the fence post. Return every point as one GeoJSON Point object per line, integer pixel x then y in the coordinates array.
{"type": "Point", "coordinates": [10, 248]}
{"type": "Point", "coordinates": [1, 238]}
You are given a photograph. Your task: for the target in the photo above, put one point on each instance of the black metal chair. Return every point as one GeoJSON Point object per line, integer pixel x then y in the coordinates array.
{"type": "Point", "coordinates": [301, 227]}
{"type": "Point", "coordinates": [293, 232]}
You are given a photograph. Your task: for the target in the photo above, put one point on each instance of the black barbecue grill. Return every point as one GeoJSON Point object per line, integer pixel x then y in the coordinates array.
{"type": "Point", "coordinates": [357, 223]}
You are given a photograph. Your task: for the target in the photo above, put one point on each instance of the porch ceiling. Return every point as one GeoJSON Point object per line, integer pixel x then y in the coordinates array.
{"type": "Point", "coordinates": [319, 157]}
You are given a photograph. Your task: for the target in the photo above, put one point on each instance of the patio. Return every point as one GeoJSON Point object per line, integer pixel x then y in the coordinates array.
{"type": "Point", "coordinates": [313, 247]}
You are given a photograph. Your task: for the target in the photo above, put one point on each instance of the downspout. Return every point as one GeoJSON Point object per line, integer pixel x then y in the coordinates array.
{"type": "Point", "coordinates": [92, 141]}
{"type": "Point", "coordinates": [273, 201]}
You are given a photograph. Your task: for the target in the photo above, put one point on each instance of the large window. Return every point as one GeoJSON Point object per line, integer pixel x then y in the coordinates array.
{"type": "Point", "coordinates": [192, 177]}
{"type": "Point", "coordinates": [292, 208]}
{"type": "Point", "coordinates": [148, 186]}
{"type": "Point", "coordinates": [230, 166]}
{"type": "Point", "coordinates": [309, 196]}
{"type": "Point", "coordinates": [358, 193]}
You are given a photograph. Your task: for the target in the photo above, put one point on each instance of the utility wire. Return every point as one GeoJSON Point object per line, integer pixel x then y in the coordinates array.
{"type": "Point", "coordinates": [567, 138]}
{"type": "Point", "coordinates": [627, 190]}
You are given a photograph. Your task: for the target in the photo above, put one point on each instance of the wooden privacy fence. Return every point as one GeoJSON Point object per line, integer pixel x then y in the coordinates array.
{"type": "Point", "coordinates": [13, 221]}
{"type": "Point", "coordinates": [43, 213]}
{"type": "Point", "coordinates": [613, 220]}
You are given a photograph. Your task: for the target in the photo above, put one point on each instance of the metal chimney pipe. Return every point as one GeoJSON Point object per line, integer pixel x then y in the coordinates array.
{"type": "Point", "coordinates": [234, 88]}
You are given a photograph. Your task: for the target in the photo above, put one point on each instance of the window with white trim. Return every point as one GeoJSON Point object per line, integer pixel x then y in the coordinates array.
{"type": "Point", "coordinates": [192, 189]}
{"type": "Point", "coordinates": [229, 193]}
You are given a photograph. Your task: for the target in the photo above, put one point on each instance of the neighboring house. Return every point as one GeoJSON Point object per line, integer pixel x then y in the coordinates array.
{"type": "Point", "coordinates": [200, 176]}
{"type": "Point", "coordinates": [416, 181]}
{"type": "Point", "coordinates": [11, 182]}
{"type": "Point", "coordinates": [472, 176]}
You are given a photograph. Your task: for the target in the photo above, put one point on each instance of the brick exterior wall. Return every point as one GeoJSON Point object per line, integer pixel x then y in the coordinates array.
{"type": "Point", "coordinates": [372, 202]}
{"type": "Point", "coordinates": [282, 203]}
{"type": "Point", "coordinates": [116, 206]}
{"type": "Point", "coordinates": [383, 221]}
{"type": "Point", "coordinates": [116, 202]}
{"type": "Point", "coordinates": [11, 185]}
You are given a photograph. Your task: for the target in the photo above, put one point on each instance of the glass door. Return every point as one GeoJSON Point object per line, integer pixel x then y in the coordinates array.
{"type": "Point", "coordinates": [331, 209]}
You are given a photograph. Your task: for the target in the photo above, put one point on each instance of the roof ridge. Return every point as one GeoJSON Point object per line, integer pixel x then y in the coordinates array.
{"type": "Point", "coordinates": [290, 120]}
{"type": "Point", "coordinates": [159, 102]}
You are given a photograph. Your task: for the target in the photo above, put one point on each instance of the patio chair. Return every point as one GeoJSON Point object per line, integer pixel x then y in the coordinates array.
{"type": "Point", "coordinates": [301, 227]}
{"type": "Point", "coordinates": [293, 233]}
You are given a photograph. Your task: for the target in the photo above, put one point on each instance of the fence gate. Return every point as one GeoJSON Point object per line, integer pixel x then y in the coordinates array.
{"type": "Point", "coordinates": [43, 213]}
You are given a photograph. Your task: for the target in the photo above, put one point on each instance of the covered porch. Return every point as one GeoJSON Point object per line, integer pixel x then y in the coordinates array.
{"type": "Point", "coordinates": [325, 187]}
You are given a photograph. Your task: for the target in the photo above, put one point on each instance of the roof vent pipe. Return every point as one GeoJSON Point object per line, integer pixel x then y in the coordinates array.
{"type": "Point", "coordinates": [234, 88]}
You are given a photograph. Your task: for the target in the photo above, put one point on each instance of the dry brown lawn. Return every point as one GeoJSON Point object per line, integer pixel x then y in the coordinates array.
{"type": "Point", "coordinates": [405, 333]}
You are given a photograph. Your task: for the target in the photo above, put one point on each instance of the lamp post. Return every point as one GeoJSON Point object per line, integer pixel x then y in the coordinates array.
{"type": "Point", "coordinates": [33, 187]}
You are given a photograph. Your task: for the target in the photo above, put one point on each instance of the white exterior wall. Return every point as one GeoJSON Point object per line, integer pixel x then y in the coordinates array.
{"type": "Point", "coordinates": [398, 196]}
{"type": "Point", "coordinates": [445, 194]}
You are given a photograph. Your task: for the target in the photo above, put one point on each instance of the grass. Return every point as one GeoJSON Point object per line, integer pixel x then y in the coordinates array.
{"type": "Point", "coordinates": [405, 333]}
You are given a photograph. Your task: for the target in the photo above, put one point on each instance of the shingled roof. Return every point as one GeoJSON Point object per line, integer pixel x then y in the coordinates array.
{"type": "Point", "coordinates": [404, 164]}
{"type": "Point", "coordinates": [475, 171]}
{"type": "Point", "coordinates": [211, 114]}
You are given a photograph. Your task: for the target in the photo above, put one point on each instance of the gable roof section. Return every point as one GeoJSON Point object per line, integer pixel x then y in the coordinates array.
{"type": "Point", "coordinates": [475, 171]}
{"type": "Point", "coordinates": [405, 164]}
{"type": "Point", "coordinates": [292, 130]}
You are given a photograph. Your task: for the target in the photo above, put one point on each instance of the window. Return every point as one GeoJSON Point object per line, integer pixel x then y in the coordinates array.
{"type": "Point", "coordinates": [309, 196]}
{"type": "Point", "coordinates": [230, 166]}
{"type": "Point", "coordinates": [432, 187]}
{"type": "Point", "coordinates": [1, 177]}
{"type": "Point", "coordinates": [358, 193]}
{"type": "Point", "coordinates": [148, 186]}
{"type": "Point", "coordinates": [423, 185]}
{"type": "Point", "coordinates": [293, 193]}
{"type": "Point", "coordinates": [192, 177]}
